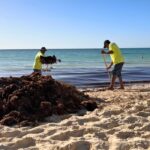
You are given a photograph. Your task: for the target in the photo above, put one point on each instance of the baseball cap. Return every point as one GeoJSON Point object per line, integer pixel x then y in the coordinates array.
{"type": "Point", "coordinates": [43, 48]}
{"type": "Point", "coordinates": [106, 42]}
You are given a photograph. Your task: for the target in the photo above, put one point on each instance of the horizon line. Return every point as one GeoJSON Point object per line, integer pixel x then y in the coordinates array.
{"type": "Point", "coordinates": [65, 48]}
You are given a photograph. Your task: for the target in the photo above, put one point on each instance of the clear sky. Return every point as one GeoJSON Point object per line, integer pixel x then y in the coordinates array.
{"type": "Point", "coordinates": [74, 23]}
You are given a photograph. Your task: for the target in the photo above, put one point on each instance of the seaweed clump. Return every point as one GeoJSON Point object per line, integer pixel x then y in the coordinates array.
{"type": "Point", "coordinates": [29, 99]}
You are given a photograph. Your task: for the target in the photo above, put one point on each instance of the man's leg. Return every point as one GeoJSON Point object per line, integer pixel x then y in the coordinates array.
{"type": "Point", "coordinates": [117, 73]}
{"type": "Point", "coordinates": [111, 87]}
{"type": "Point", "coordinates": [120, 76]}
{"type": "Point", "coordinates": [121, 83]}
{"type": "Point", "coordinates": [113, 79]}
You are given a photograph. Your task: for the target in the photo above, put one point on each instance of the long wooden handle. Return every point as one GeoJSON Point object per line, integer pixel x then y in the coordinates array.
{"type": "Point", "coordinates": [106, 66]}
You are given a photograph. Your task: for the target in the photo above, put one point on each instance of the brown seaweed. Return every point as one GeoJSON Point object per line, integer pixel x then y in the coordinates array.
{"type": "Point", "coordinates": [29, 99]}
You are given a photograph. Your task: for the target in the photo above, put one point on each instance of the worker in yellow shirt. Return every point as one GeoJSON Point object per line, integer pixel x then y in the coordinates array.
{"type": "Point", "coordinates": [117, 60]}
{"type": "Point", "coordinates": [37, 66]}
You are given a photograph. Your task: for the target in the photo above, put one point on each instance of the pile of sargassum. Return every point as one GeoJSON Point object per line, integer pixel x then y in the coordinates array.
{"type": "Point", "coordinates": [30, 99]}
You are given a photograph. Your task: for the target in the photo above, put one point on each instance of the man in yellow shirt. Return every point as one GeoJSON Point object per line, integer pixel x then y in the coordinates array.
{"type": "Point", "coordinates": [117, 60]}
{"type": "Point", "coordinates": [37, 66]}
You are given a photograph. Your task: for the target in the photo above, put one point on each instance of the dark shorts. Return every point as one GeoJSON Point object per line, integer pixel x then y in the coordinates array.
{"type": "Point", "coordinates": [117, 69]}
{"type": "Point", "coordinates": [36, 70]}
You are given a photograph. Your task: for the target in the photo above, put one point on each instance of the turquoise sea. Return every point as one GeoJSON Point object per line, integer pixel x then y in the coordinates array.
{"type": "Point", "coordinates": [81, 67]}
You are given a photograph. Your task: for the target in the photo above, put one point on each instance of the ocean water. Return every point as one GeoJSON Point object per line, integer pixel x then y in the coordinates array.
{"type": "Point", "coordinates": [80, 67]}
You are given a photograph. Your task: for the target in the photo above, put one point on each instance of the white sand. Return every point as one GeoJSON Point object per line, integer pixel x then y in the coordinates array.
{"type": "Point", "coordinates": [121, 122]}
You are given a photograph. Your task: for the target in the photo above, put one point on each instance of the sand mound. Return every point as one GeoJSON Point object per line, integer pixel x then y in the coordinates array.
{"type": "Point", "coordinates": [28, 99]}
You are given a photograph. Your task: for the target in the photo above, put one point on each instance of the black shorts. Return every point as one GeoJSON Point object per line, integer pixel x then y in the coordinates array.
{"type": "Point", "coordinates": [37, 70]}
{"type": "Point", "coordinates": [117, 69]}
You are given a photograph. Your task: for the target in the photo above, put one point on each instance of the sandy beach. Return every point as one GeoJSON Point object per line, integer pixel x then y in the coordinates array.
{"type": "Point", "coordinates": [121, 122]}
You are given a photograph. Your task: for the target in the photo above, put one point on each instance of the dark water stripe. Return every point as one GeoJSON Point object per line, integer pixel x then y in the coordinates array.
{"type": "Point", "coordinates": [99, 77]}
{"type": "Point", "coordinates": [93, 77]}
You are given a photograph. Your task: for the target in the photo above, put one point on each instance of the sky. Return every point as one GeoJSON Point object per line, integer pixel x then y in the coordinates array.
{"type": "Point", "coordinates": [74, 23]}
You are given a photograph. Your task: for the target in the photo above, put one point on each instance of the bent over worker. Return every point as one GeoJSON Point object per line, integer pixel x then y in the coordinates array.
{"type": "Point", "coordinates": [117, 60]}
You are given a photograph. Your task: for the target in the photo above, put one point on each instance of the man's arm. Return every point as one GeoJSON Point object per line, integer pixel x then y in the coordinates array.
{"type": "Point", "coordinates": [110, 65]}
{"type": "Point", "coordinates": [42, 59]}
{"type": "Point", "coordinates": [109, 52]}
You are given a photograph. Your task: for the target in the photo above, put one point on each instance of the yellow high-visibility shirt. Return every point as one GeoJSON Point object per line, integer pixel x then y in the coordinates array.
{"type": "Point", "coordinates": [37, 63]}
{"type": "Point", "coordinates": [117, 56]}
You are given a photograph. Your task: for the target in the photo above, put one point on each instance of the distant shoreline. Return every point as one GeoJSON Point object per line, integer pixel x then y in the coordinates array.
{"type": "Point", "coordinates": [69, 48]}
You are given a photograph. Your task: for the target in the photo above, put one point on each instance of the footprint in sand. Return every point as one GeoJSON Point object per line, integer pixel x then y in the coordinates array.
{"type": "Point", "coordinates": [136, 125]}
{"type": "Point", "coordinates": [22, 143]}
{"type": "Point", "coordinates": [143, 114]}
{"type": "Point", "coordinates": [101, 136]}
{"type": "Point", "coordinates": [63, 136]}
{"type": "Point", "coordinates": [131, 119]}
{"type": "Point", "coordinates": [125, 135]}
{"type": "Point", "coordinates": [136, 109]}
{"type": "Point", "coordinates": [48, 133]}
{"type": "Point", "coordinates": [79, 145]}
{"type": "Point", "coordinates": [146, 135]}
{"type": "Point", "coordinates": [36, 130]}
{"type": "Point", "coordinates": [31, 131]}
{"type": "Point", "coordinates": [141, 144]}
{"type": "Point", "coordinates": [146, 127]}
{"type": "Point", "coordinates": [10, 133]}
{"type": "Point", "coordinates": [139, 107]}
{"type": "Point", "coordinates": [112, 131]}
{"type": "Point", "coordinates": [123, 146]}
{"type": "Point", "coordinates": [109, 124]}
{"type": "Point", "coordinates": [109, 113]}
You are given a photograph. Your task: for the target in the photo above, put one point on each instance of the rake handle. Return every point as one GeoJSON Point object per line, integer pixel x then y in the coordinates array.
{"type": "Point", "coordinates": [106, 66]}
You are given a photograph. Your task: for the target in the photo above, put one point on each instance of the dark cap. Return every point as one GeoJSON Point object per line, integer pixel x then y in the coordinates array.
{"type": "Point", "coordinates": [106, 42]}
{"type": "Point", "coordinates": [43, 49]}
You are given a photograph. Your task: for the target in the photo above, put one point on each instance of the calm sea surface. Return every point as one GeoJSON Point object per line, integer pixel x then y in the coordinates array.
{"type": "Point", "coordinates": [81, 67]}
